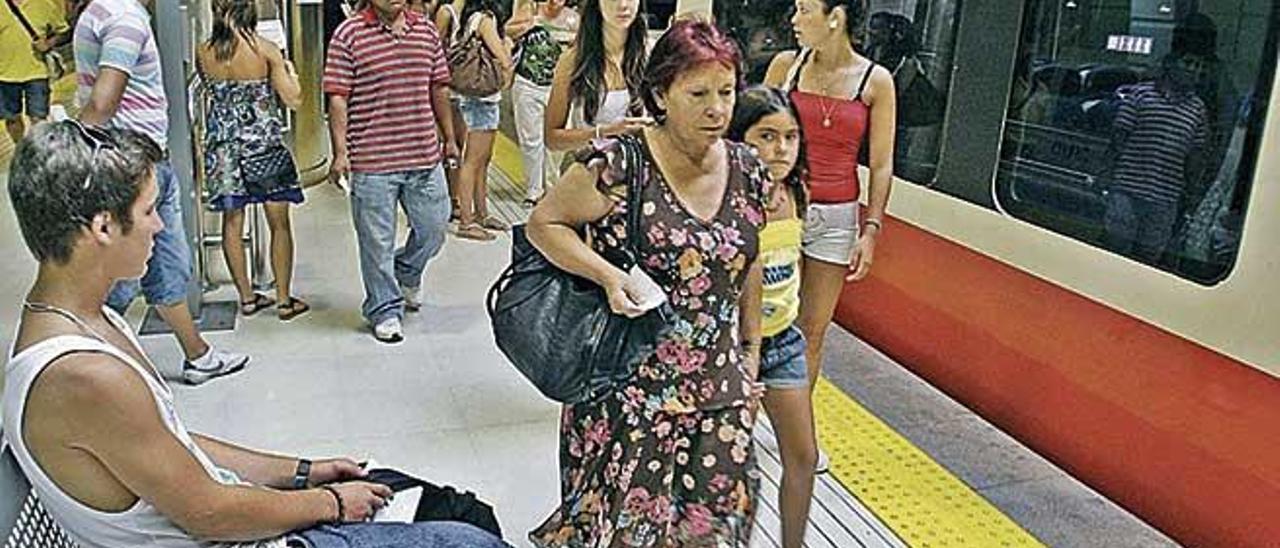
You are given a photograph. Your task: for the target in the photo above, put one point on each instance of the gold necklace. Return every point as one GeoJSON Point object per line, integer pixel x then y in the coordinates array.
{"type": "Point", "coordinates": [826, 112]}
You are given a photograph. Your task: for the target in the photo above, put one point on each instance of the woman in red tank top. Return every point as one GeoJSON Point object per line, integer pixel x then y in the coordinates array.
{"type": "Point", "coordinates": [844, 102]}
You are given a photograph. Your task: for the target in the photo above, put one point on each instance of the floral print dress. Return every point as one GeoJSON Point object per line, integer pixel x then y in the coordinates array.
{"type": "Point", "coordinates": [668, 458]}
{"type": "Point", "coordinates": [244, 118]}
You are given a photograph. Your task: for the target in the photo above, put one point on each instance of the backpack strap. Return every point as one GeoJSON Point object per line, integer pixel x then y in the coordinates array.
{"type": "Point", "coordinates": [22, 19]}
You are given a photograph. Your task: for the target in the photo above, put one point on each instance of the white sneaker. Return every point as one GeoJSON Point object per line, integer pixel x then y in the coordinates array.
{"type": "Point", "coordinates": [213, 364]}
{"type": "Point", "coordinates": [824, 462]}
{"type": "Point", "coordinates": [412, 298]}
{"type": "Point", "coordinates": [388, 331]}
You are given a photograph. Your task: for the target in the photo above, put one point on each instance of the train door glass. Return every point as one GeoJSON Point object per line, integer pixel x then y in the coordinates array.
{"type": "Point", "coordinates": [916, 41]}
{"type": "Point", "coordinates": [1133, 125]}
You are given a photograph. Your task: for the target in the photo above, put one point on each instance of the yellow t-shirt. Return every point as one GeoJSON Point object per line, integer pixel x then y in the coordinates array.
{"type": "Point", "coordinates": [780, 250]}
{"type": "Point", "coordinates": [19, 62]}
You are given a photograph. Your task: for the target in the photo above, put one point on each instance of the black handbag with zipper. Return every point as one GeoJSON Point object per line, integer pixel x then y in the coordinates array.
{"type": "Point", "coordinates": [557, 328]}
{"type": "Point", "coordinates": [269, 170]}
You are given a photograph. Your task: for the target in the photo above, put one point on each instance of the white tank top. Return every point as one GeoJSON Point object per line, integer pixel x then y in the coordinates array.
{"type": "Point", "coordinates": [612, 109]}
{"type": "Point", "coordinates": [139, 525]}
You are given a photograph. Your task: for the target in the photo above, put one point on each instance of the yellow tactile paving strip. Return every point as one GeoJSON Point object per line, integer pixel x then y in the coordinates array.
{"type": "Point", "coordinates": [920, 500]}
{"type": "Point", "coordinates": [917, 498]}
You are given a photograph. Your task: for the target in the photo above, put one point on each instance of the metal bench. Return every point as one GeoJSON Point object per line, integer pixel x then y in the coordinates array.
{"type": "Point", "coordinates": [24, 523]}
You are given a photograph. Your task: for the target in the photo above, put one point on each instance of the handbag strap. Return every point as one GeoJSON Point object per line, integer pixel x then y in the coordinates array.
{"type": "Point", "coordinates": [17, 12]}
{"type": "Point", "coordinates": [637, 174]}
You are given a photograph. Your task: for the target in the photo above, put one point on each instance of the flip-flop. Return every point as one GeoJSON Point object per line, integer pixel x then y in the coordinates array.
{"type": "Point", "coordinates": [291, 309]}
{"type": "Point", "coordinates": [494, 223]}
{"type": "Point", "coordinates": [259, 302]}
{"type": "Point", "coordinates": [474, 232]}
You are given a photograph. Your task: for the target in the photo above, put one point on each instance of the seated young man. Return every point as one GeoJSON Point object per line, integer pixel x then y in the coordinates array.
{"type": "Point", "coordinates": [90, 421]}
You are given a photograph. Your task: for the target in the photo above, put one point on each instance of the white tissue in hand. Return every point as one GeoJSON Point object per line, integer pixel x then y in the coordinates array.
{"type": "Point", "coordinates": [644, 292]}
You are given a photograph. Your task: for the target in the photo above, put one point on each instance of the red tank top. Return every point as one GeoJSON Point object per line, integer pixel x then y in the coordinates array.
{"type": "Point", "coordinates": [832, 149]}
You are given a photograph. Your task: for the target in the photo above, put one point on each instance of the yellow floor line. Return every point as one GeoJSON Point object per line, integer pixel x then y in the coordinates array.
{"type": "Point", "coordinates": [916, 497]}
{"type": "Point", "coordinates": [506, 157]}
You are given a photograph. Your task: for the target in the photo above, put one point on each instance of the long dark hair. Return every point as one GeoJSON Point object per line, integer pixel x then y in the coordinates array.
{"type": "Point", "coordinates": [588, 82]}
{"type": "Point", "coordinates": [232, 19]}
{"type": "Point", "coordinates": [478, 6]}
{"type": "Point", "coordinates": [756, 103]}
{"type": "Point", "coordinates": [855, 12]}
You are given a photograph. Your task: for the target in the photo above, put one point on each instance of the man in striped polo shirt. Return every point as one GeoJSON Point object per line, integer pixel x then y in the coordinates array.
{"type": "Point", "coordinates": [1159, 141]}
{"type": "Point", "coordinates": [120, 84]}
{"type": "Point", "coordinates": [387, 77]}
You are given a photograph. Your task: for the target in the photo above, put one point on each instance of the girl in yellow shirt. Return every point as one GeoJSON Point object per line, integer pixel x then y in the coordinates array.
{"type": "Point", "coordinates": [765, 119]}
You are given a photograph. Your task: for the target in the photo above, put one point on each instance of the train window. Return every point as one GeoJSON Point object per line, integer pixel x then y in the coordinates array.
{"type": "Point", "coordinates": [916, 41]}
{"type": "Point", "coordinates": [1133, 125]}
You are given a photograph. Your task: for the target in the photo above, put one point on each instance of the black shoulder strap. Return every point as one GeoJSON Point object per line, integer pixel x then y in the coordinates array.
{"type": "Point", "coordinates": [22, 19]}
{"type": "Point", "coordinates": [866, 77]}
{"type": "Point", "coordinates": [793, 72]}
{"type": "Point", "coordinates": [637, 176]}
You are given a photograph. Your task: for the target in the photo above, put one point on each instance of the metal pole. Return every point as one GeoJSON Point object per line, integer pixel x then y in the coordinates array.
{"type": "Point", "coordinates": [310, 135]}
{"type": "Point", "coordinates": [173, 31]}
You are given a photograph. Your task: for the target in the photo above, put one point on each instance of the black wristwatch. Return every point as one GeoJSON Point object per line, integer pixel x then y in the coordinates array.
{"type": "Point", "coordinates": [302, 474]}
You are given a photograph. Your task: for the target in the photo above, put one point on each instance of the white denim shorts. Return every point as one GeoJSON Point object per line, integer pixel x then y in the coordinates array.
{"type": "Point", "coordinates": [831, 232]}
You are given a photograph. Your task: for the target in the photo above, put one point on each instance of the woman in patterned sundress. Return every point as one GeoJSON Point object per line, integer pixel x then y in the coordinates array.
{"type": "Point", "coordinates": [248, 78]}
{"type": "Point", "coordinates": [667, 458]}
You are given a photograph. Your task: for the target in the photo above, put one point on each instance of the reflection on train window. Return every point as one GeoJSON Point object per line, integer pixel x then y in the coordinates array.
{"type": "Point", "coordinates": [915, 39]}
{"type": "Point", "coordinates": [1134, 124]}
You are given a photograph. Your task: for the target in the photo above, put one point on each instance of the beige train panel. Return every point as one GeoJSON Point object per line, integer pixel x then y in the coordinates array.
{"type": "Point", "coordinates": [1239, 317]}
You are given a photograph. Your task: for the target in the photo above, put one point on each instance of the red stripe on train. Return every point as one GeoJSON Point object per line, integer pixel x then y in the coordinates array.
{"type": "Point", "coordinates": [1177, 433]}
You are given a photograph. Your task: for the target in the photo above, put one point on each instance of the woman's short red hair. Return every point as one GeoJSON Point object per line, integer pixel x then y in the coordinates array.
{"type": "Point", "coordinates": [687, 44]}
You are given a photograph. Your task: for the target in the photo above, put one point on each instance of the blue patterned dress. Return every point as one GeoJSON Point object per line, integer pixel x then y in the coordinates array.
{"type": "Point", "coordinates": [243, 118]}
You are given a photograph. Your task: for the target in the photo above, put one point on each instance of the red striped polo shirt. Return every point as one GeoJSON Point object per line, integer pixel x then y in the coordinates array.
{"type": "Point", "coordinates": [387, 79]}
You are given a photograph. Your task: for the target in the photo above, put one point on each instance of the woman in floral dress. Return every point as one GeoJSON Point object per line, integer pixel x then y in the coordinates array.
{"type": "Point", "coordinates": [667, 459]}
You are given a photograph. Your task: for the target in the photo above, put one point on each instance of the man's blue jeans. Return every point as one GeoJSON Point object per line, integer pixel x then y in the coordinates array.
{"type": "Point", "coordinates": [424, 195]}
{"type": "Point", "coordinates": [436, 534]}
{"type": "Point", "coordinates": [169, 268]}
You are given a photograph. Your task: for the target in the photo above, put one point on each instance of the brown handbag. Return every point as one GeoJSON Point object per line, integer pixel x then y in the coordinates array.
{"type": "Point", "coordinates": [474, 69]}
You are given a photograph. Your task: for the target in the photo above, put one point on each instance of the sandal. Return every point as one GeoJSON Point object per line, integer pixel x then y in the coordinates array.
{"type": "Point", "coordinates": [257, 303]}
{"type": "Point", "coordinates": [493, 223]}
{"type": "Point", "coordinates": [291, 309]}
{"type": "Point", "coordinates": [474, 232]}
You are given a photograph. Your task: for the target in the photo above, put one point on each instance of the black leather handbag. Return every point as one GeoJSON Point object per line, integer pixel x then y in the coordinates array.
{"type": "Point", "coordinates": [268, 170]}
{"type": "Point", "coordinates": [557, 328]}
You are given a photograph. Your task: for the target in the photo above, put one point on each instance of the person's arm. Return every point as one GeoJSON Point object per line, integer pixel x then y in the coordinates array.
{"type": "Point", "coordinates": [444, 23]}
{"type": "Point", "coordinates": [556, 131]}
{"type": "Point", "coordinates": [751, 310]}
{"type": "Point", "coordinates": [104, 98]}
{"type": "Point", "coordinates": [553, 226]}
{"type": "Point", "coordinates": [488, 30]}
{"type": "Point", "coordinates": [116, 421]}
{"type": "Point", "coordinates": [283, 76]}
{"type": "Point", "coordinates": [776, 74]}
{"type": "Point", "coordinates": [884, 106]}
{"type": "Point", "coordinates": [122, 41]}
{"type": "Point", "coordinates": [341, 163]}
{"type": "Point", "coordinates": [521, 21]}
{"type": "Point", "coordinates": [274, 470]}
{"type": "Point", "coordinates": [443, 109]}
{"type": "Point", "coordinates": [339, 78]}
